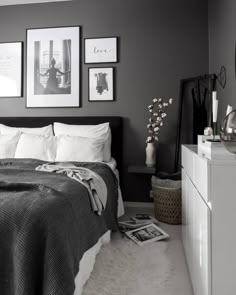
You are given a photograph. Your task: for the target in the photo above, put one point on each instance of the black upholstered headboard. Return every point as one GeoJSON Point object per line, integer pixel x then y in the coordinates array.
{"type": "Point", "coordinates": [115, 125]}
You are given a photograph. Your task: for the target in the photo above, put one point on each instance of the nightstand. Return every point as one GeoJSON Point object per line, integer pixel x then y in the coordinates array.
{"type": "Point", "coordinates": [142, 169]}
{"type": "Point", "coordinates": [143, 175]}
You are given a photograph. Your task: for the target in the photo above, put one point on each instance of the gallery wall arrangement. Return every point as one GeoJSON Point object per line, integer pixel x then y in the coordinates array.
{"type": "Point", "coordinates": [53, 67]}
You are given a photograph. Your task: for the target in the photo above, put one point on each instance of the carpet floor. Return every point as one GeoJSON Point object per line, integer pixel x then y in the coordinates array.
{"type": "Point", "coordinates": [124, 268]}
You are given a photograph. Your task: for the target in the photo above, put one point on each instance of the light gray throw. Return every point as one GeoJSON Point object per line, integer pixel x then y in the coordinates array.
{"type": "Point", "coordinates": [92, 181]}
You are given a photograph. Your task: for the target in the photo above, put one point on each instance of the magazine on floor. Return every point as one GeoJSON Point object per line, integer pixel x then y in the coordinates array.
{"type": "Point", "coordinates": [142, 229]}
{"type": "Point", "coordinates": [136, 222]}
{"type": "Point", "coordinates": [127, 225]}
{"type": "Point", "coordinates": [147, 234]}
{"type": "Point", "coordinates": [143, 219]}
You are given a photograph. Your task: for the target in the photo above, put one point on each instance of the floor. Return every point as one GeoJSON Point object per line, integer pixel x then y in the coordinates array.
{"type": "Point", "coordinates": [124, 268]}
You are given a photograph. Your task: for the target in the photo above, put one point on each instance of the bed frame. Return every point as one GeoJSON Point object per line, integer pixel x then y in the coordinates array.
{"type": "Point", "coordinates": [115, 125]}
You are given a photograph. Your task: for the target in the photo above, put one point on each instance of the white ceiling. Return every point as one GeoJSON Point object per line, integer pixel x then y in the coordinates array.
{"type": "Point", "coordinates": [14, 2]}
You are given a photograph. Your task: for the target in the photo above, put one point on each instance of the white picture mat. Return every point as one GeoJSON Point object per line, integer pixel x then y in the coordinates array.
{"type": "Point", "coordinates": [11, 69]}
{"type": "Point", "coordinates": [58, 100]}
{"type": "Point", "coordinates": [106, 95]}
{"type": "Point", "coordinates": [101, 50]}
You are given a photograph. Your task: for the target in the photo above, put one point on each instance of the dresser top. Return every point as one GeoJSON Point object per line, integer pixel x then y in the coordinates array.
{"type": "Point", "coordinates": [217, 156]}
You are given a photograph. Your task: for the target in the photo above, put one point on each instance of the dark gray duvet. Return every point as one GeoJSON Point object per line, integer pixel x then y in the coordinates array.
{"type": "Point", "coordinates": [46, 224]}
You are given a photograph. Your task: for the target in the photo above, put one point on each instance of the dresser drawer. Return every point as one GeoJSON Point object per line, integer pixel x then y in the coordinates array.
{"type": "Point", "coordinates": [197, 169]}
{"type": "Point", "coordinates": [201, 176]}
{"type": "Point", "coordinates": [188, 161]}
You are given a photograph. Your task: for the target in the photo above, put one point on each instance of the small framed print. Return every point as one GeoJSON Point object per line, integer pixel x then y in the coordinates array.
{"type": "Point", "coordinates": [11, 69]}
{"type": "Point", "coordinates": [53, 67]}
{"type": "Point", "coordinates": [101, 84]}
{"type": "Point", "coordinates": [100, 50]}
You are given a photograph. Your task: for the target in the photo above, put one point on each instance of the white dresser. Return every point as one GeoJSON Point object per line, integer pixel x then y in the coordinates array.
{"type": "Point", "coordinates": [209, 220]}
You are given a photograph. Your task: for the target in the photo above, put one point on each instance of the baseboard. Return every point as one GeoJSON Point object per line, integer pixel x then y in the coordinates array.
{"type": "Point", "coordinates": [138, 205]}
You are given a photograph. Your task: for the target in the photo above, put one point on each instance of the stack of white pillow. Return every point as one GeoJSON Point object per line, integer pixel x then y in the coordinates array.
{"type": "Point", "coordinates": [82, 143]}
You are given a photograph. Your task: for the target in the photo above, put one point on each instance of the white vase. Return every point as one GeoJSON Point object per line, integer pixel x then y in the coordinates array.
{"type": "Point", "coordinates": [151, 154]}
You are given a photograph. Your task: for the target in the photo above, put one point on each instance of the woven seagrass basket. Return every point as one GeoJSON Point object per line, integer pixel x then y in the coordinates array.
{"type": "Point", "coordinates": [167, 204]}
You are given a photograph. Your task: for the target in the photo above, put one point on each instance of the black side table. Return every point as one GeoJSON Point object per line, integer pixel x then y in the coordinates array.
{"type": "Point", "coordinates": [148, 171]}
{"type": "Point", "coordinates": [142, 169]}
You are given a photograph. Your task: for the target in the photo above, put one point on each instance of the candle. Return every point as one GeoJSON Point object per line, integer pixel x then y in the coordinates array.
{"type": "Point", "coordinates": [214, 110]}
{"type": "Point", "coordinates": [214, 95]}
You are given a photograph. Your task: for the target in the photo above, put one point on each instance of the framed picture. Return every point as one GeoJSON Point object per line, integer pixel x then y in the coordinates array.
{"type": "Point", "coordinates": [100, 50]}
{"type": "Point", "coordinates": [53, 67]}
{"type": "Point", "coordinates": [146, 234]}
{"type": "Point", "coordinates": [11, 69]}
{"type": "Point", "coordinates": [101, 86]}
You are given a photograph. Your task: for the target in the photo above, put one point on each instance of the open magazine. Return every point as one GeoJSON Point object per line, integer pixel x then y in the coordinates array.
{"type": "Point", "coordinates": [142, 229]}
{"type": "Point", "coordinates": [146, 234]}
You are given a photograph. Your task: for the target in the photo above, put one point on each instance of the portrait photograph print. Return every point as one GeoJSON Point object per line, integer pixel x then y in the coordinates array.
{"type": "Point", "coordinates": [11, 55]}
{"type": "Point", "coordinates": [101, 86]}
{"type": "Point", "coordinates": [53, 67]}
{"type": "Point", "coordinates": [101, 50]}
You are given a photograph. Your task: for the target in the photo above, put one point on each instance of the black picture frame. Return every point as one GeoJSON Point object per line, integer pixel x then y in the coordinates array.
{"type": "Point", "coordinates": [106, 93]}
{"type": "Point", "coordinates": [18, 60]}
{"type": "Point", "coordinates": [102, 58]}
{"type": "Point", "coordinates": [77, 59]}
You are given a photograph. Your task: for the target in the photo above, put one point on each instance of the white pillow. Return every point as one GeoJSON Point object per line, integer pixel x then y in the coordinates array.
{"type": "Point", "coordinates": [8, 145]}
{"type": "Point", "coordinates": [36, 147]}
{"type": "Point", "coordinates": [47, 130]}
{"type": "Point", "coordinates": [79, 149]}
{"type": "Point", "coordinates": [100, 131]}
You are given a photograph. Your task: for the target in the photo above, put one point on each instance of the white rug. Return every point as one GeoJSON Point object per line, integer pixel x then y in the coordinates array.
{"type": "Point", "coordinates": [124, 268]}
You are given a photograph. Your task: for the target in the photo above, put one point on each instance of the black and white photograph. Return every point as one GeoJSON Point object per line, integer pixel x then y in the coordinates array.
{"type": "Point", "coordinates": [11, 71]}
{"type": "Point", "coordinates": [101, 50]}
{"type": "Point", "coordinates": [146, 234]}
{"type": "Point", "coordinates": [53, 67]}
{"type": "Point", "coordinates": [101, 84]}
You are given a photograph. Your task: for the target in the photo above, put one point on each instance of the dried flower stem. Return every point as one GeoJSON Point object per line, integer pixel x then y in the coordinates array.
{"type": "Point", "coordinates": [156, 118]}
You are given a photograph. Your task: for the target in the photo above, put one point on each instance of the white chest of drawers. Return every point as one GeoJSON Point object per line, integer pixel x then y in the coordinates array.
{"type": "Point", "coordinates": [209, 220]}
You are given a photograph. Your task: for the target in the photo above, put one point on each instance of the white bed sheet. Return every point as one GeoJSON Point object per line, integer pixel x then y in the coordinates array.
{"type": "Point", "coordinates": [87, 263]}
{"type": "Point", "coordinates": [88, 260]}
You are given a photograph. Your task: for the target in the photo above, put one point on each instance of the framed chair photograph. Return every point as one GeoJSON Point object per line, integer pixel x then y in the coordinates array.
{"type": "Point", "coordinates": [101, 84]}
{"type": "Point", "coordinates": [53, 67]}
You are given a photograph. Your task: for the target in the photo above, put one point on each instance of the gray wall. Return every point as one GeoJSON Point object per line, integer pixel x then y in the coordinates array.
{"type": "Point", "coordinates": [222, 37]}
{"type": "Point", "coordinates": [161, 42]}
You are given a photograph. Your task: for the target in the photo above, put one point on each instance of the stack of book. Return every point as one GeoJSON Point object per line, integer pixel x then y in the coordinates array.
{"type": "Point", "coordinates": [142, 229]}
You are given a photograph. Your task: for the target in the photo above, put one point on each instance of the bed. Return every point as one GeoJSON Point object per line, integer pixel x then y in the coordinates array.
{"type": "Point", "coordinates": [49, 235]}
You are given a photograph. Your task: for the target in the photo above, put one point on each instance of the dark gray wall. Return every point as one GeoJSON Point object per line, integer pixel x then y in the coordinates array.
{"type": "Point", "coordinates": [161, 42]}
{"type": "Point", "coordinates": [222, 37]}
